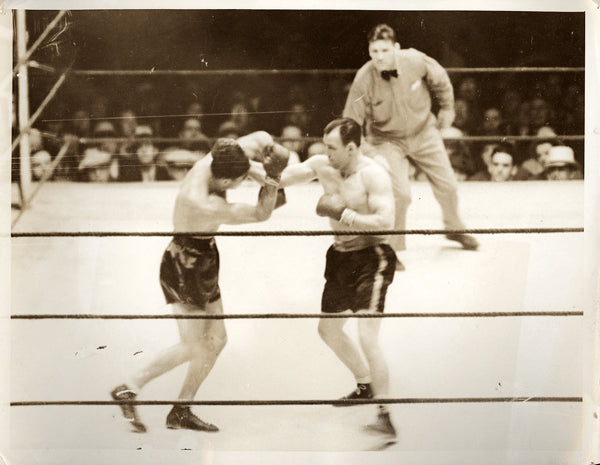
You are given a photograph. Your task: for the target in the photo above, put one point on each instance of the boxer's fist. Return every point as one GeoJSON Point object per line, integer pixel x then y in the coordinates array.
{"type": "Point", "coordinates": [275, 160]}
{"type": "Point", "coordinates": [331, 205]}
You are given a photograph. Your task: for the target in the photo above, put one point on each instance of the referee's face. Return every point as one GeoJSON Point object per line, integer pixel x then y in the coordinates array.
{"type": "Point", "coordinates": [382, 52]}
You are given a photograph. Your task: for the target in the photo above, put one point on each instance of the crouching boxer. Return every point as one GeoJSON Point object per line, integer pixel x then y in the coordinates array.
{"type": "Point", "coordinates": [189, 271]}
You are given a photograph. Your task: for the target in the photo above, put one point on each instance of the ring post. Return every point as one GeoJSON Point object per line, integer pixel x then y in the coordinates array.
{"type": "Point", "coordinates": [23, 90]}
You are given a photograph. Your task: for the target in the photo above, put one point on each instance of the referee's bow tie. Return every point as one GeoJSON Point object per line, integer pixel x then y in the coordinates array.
{"type": "Point", "coordinates": [387, 74]}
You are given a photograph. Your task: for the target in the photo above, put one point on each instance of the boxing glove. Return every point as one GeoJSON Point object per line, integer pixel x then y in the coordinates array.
{"type": "Point", "coordinates": [275, 160]}
{"type": "Point", "coordinates": [331, 205]}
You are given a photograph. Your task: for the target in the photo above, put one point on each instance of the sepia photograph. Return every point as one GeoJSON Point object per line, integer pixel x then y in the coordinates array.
{"type": "Point", "coordinates": [252, 233]}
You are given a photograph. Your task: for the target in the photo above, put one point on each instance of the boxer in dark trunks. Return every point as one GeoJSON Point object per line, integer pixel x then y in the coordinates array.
{"type": "Point", "coordinates": [357, 195]}
{"type": "Point", "coordinates": [189, 272]}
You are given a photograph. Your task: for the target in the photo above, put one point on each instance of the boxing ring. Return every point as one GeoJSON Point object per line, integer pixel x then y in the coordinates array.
{"type": "Point", "coordinates": [486, 349]}
{"type": "Point", "coordinates": [501, 382]}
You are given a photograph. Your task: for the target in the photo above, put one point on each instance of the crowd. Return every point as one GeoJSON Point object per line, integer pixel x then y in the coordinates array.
{"type": "Point", "coordinates": [547, 106]}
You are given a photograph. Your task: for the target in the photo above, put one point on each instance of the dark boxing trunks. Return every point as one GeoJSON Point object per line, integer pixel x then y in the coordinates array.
{"type": "Point", "coordinates": [358, 280]}
{"type": "Point", "coordinates": [189, 271]}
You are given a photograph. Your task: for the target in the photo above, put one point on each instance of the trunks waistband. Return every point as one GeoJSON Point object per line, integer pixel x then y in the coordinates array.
{"type": "Point", "coordinates": [193, 242]}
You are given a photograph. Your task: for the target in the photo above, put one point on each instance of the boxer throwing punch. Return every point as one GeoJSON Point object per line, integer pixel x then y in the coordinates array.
{"type": "Point", "coordinates": [189, 271]}
{"type": "Point", "coordinates": [359, 268]}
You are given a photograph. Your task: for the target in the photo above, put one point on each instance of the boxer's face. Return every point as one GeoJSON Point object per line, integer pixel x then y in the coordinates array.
{"type": "Point", "coordinates": [336, 150]}
{"type": "Point", "coordinates": [382, 52]}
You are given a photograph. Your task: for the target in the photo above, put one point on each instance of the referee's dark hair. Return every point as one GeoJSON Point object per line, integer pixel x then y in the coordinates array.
{"type": "Point", "coordinates": [381, 32]}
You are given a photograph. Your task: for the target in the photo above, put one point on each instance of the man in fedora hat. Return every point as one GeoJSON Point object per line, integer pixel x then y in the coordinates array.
{"type": "Point", "coordinates": [560, 164]}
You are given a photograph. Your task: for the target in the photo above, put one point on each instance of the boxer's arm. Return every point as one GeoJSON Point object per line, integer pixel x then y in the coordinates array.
{"type": "Point", "coordinates": [216, 209]}
{"type": "Point", "coordinates": [298, 173]}
{"type": "Point", "coordinates": [257, 172]}
{"type": "Point", "coordinates": [254, 143]}
{"type": "Point", "coordinates": [304, 172]}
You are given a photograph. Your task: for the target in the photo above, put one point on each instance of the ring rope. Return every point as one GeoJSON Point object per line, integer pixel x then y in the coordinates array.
{"type": "Point", "coordinates": [504, 138]}
{"type": "Point", "coordinates": [212, 72]}
{"type": "Point", "coordinates": [391, 232]}
{"type": "Point", "coordinates": [246, 316]}
{"type": "Point", "coordinates": [406, 400]}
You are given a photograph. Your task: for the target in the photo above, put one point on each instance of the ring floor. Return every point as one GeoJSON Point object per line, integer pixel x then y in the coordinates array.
{"type": "Point", "coordinates": [285, 359]}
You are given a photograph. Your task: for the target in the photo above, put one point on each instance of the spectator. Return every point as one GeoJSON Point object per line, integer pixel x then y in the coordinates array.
{"type": "Point", "coordinates": [129, 170]}
{"type": "Point", "coordinates": [146, 153]}
{"type": "Point", "coordinates": [458, 152]}
{"type": "Point", "coordinates": [41, 162]}
{"type": "Point", "coordinates": [228, 129]}
{"type": "Point", "coordinates": [483, 163]}
{"type": "Point", "coordinates": [541, 114]}
{"type": "Point", "coordinates": [99, 163]}
{"type": "Point", "coordinates": [148, 104]}
{"type": "Point", "coordinates": [294, 146]}
{"type": "Point", "coordinates": [179, 162]}
{"type": "Point", "coordinates": [240, 116]}
{"type": "Point", "coordinates": [490, 126]}
{"type": "Point", "coordinates": [502, 165]}
{"type": "Point", "coordinates": [492, 123]}
{"type": "Point", "coordinates": [316, 148]}
{"type": "Point", "coordinates": [99, 107]}
{"type": "Point", "coordinates": [300, 116]}
{"type": "Point", "coordinates": [560, 164]}
{"type": "Point", "coordinates": [533, 167]}
{"type": "Point", "coordinates": [67, 169]}
{"type": "Point", "coordinates": [127, 123]}
{"type": "Point", "coordinates": [81, 125]}
{"type": "Point", "coordinates": [469, 90]}
{"type": "Point", "coordinates": [523, 121]}
{"type": "Point", "coordinates": [510, 102]}
{"type": "Point", "coordinates": [464, 118]}
{"type": "Point", "coordinates": [240, 113]}
{"type": "Point", "coordinates": [194, 145]}
{"type": "Point", "coordinates": [195, 109]}
{"type": "Point", "coordinates": [192, 137]}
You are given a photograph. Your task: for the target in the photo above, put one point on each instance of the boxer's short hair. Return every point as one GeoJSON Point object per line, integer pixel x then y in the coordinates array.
{"type": "Point", "coordinates": [228, 160]}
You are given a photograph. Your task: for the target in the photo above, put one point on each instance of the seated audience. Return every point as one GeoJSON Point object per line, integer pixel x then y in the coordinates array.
{"type": "Point", "coordinates": [229, 130]}
{"type": "Point", "coordinates": [316, 148]}
{"type": "Point", "coordinates": [533, 167]}
{"type": "Point", "coordinates": [458, 153]}
{"type": "Point", "coordinates": [463, 119]}
{"type": "Point", "coordinates": [560, 164]}
{"type": "Point", "coordinates": [146, 153]}
{"type": "Point", "coordinates": [294, 146]}
{"type": "Point", "coordinates": [99, 162]}
{"type": "Point", "coordinates": [41, 162]}
{"type": "Point", "coordinates": [502, 166]}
